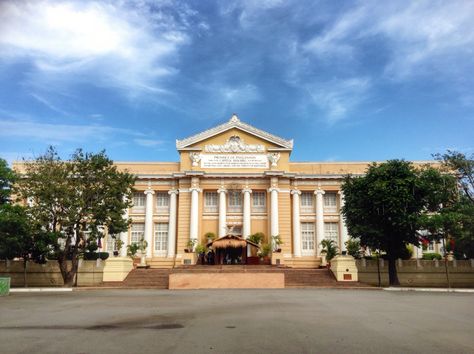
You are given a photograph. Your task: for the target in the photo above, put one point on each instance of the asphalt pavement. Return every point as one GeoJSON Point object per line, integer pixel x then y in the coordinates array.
{"type": "Point", "coordinates": [237, 321]}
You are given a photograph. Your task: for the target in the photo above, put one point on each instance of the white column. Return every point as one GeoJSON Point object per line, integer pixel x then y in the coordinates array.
{"type": "Point", "coordinates": [222, 212]}
{"type": "Point", "coordinates": [172, 223]}
{"type": "Point", "coordinates": [274, 228]}
{"type": "Point", "coordinates": [193, 228]}
{"type": "Point", "coordinates": [296, 223]}
{"type": "Point", "coordinates": [124, 235]}
{"type": "Point", "coordinates": [342, 223]}
{"type": "Point", "coordinates": [246, 229]}
{"type": "Point", "coordinates": [149, 221]}
{"type": "Point", "coordinates": [319, 219]}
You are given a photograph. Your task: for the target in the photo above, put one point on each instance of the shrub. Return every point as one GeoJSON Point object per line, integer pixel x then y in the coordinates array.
{"type": "Point", "coordinates": [353, 248]}
{"type": "Point", "coordinates": [431, 256]}
{"type": "Point", "coordinates": [330, 248]}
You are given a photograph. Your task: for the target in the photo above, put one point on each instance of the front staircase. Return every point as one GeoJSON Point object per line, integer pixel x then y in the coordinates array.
{"type": "Point", "coordinates": [294, 277]}
{"type": "Point", "coordinates": [143, 279]}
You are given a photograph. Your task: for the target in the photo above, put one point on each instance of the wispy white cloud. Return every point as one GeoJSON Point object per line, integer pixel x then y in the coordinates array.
{"type": "Point", "coordinates": [110, 44]}
{"type": "Point", "coordinates": [148, 142]}
{"type": "Point", "coordinates": [420, 36]}
{"type": "Point", "coordinates": [52, 133]}
{"type": "Point", "coordinates": [337, 97]}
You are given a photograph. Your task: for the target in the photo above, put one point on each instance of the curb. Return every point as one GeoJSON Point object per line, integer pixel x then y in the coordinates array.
{"type": "Point", "coordinates": [435, 290]}
{"type": "Point", "coordinates": [37, 290]}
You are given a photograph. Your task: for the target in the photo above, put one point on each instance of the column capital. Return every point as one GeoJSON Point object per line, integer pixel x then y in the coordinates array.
{"type": "Point", "coordinates": [295, 192]}
{"type": "Point", "coordinates": [197, 189]}
{"type": "Point", "coordinates": [149, 191]}
{"type": "Point", "coordinates": [246, 190]}
{"type": "Point", "coordinates": [222, 190]}
{"type": "Point", "coordinates": [273, 189]}
{"type": "Point", "coordinates": [173, 191]}
{"type": "Point", "coordinates": [340, 192]}
{"type": "Point", "coordinates": [319, 191]}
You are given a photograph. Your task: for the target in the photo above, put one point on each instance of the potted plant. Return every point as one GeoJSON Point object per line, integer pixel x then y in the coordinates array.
{"type": "Point", "coordinates": [190, 246]}
{"type": "Point", "coordinates": [142, 245]}
{"type": "Point", "coordinates": [201, 251]}
{"type": "Point", "coordinates": [329, 250]}
{"type": "Point", "coordinates": [264, 253]}
{"type": "Point", "coordinates": [211, 236]}
{"type": "Point", "coordinates": [118, 246]}
{"type": "Point", "coordinates": [276, 242]}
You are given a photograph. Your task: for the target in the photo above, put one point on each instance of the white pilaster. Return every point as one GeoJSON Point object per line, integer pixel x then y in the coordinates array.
{"type": "Point", "coordinates": [342, 223]}
{"type": "Point", "coordinates": [246, 227]}
{"type": "Point", "coordinates": [296, 223]}
{"type": "Point", "coordinates": [319, 219]}
{"type": "Point", "coordinates": [124, 235]}
{"type": "Point", "coordinates": [274, 227]}
{"type": "Point", "coordinates": [149, 221]}
{"type": "Point", "coordinates": [193, 229]}
{"type": "Point", "coordinates": [222, 212]}
{"type": "Point", "coordinates": [172, 223]}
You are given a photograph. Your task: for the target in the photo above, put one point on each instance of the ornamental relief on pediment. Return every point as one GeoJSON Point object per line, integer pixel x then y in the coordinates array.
{"type": "Point", "coordinates": [234, 144]}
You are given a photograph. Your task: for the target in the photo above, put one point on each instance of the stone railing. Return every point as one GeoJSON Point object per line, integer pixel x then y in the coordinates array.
{"type": "Point", "coordinates": [419, 273]}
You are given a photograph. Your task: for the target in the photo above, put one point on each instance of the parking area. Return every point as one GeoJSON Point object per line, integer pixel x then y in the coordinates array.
{"type": "Point", "coordinates": [236, 321]}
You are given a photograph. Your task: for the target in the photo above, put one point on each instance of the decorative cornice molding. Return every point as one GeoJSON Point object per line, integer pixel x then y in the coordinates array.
{"type": "Point", "coordinates": [234, 122]}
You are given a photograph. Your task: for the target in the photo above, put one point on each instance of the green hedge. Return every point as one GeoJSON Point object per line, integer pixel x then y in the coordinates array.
{"type": "Point", "coordinates": [92, 256]}
{"type": "Point", "coordinates": [431, 256]}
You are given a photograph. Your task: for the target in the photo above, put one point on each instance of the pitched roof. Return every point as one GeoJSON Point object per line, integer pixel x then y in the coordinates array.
{"type": "Point", "coordinates": [234, 122]}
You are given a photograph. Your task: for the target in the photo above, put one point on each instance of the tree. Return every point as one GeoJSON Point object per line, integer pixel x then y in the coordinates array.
{"type": "Point", "coordinates": [76, 202]}
{"type": "Point", "coordinates": [384, 208]}
{"type": "Point", "coordinates": [463, 167]}
{"type": "Point", "coordinates": [17, 233]}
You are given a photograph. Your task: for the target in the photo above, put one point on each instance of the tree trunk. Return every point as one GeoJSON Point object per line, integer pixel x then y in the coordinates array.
{"type": "Point", "coordinates": [392, 272]}
{"type": "Point", "coordinates": [25, 262]}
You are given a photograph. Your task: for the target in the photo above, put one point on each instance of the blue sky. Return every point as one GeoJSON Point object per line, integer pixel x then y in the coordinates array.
{"type": "Point", "coordinates": [347, 80]}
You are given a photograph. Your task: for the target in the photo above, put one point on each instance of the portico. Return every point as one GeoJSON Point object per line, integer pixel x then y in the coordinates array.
{"type": "Point", "coordinates": [235, 175]}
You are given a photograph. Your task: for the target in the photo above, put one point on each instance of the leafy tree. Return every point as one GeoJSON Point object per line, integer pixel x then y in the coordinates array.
{"type": "Point", "coordinates": [7, 178]}
{"type": "Point", "coordinates": [76, 202]}
{"type": "Point", "coordinates": [18, 236]}
{"type": "Point", "coordinates": [384, 208]}
{"type": "Point", "coordinates": [462, 214]}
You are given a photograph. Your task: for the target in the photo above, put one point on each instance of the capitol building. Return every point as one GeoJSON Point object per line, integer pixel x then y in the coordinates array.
{"type": "Point", "coordinates": [240, 178]}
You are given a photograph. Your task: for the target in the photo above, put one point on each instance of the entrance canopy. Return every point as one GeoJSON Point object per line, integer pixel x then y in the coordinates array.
{"type": "Point", "coordinates": [231, 241]}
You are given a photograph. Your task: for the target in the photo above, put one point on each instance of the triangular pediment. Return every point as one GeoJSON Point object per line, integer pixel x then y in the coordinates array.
{"type": "Point", "coordinates": [234, 123]}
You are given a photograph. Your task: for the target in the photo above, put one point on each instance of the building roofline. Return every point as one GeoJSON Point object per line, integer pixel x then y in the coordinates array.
{"type": "Point", "coordinates": [234, 122]}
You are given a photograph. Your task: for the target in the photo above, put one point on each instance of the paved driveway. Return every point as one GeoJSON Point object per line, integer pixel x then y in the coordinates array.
{"type": "Point", "coordinates": [237, 321]}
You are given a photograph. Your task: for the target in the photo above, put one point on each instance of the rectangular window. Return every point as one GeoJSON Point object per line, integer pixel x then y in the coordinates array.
{"type": "Point", "coordinates": [211, 202]}
{"type": "Point", "coordinates": [139, 200]}
{"type": "Point", "coordinates": [138, 233]}
{"type": "Point", "coordinates": [162, 201]}
{"type": "Point", "coordinates": [161, 238]}
{"type": "Point", "coordinates": [307, 202]}
{"type": "Point", "coordinates": [235, 201]}
{"type": "Point", "coordinates": [307, 238]}
{"type": "Point", "coordinates": [259, 201]}
{"type": "Point", "coordinates": [330, 200]}
{"type": "Point", "coordinates": [331, 231]}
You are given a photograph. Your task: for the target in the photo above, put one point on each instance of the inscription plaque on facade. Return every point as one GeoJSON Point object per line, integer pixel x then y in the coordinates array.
{"type": "Point", "coordinates": [234, 161]}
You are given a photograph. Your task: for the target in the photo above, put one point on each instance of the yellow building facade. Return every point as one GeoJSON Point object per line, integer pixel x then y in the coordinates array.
{"type": "Point", "coordinates": [240, 179]}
